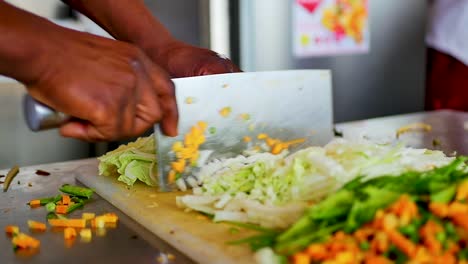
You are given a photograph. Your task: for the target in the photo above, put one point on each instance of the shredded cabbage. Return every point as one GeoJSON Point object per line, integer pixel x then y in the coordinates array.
{"type": "Point", "coordinates": [274, 190]}
{"type": "Point", "coordinates": [132, 162]}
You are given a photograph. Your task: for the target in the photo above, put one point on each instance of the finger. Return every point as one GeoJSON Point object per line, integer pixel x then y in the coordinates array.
{"type": "Point", "coordinates": [83, 131]}
{"type": "Point", "coordinates": [148, 110]}
{"type": "Point", "coordinates": [166, 93]}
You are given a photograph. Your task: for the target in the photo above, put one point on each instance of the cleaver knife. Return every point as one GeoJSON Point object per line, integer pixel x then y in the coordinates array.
{"type": "Point", "coordinates": [225, 115]}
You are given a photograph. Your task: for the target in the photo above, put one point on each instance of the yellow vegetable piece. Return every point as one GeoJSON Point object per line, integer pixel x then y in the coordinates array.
{"type": "Point", "coordinates": [24, 241]}
{"type": "Point", "coordinates": [247, 139]}
{"type": "Point", "coordinates": [262, 136]}
{"type": "Point", "coordinates": [177, 146]}
{"type": "Point", "coordinates": [178, 166]}
{"type": "Point", "coordinates": [203, 125]}
{"type": "Point", "coordinates": [86, 233]}
{"type": "Point", "coordinates": [88, 216]}
{"type": "Point", "coordinates": [225, 111]}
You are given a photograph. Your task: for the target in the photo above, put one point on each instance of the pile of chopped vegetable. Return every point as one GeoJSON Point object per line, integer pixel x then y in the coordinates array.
{"type": "Point", "coordinates": [274, 190]}
{"type": "Point", "coordinates": [132, 162]}
{"type": "Point", "coordinates": [414, 216]}
{"type": "Point", "coordinates": [72, 198]}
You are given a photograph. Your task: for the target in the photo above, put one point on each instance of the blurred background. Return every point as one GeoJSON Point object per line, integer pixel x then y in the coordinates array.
{"type": "Point", "coordinates": [388, 79]}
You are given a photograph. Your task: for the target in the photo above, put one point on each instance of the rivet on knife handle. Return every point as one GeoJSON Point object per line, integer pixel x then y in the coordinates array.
{"type": "Point", "coordinates": [39, 116]}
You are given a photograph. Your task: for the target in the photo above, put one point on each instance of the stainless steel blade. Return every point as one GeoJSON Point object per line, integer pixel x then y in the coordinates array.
{"type": "Point", "coordinates": [283, 104]}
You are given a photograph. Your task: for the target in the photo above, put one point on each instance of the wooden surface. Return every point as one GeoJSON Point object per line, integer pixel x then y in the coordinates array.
{"type": "Point", "coordinates": [191, 233]}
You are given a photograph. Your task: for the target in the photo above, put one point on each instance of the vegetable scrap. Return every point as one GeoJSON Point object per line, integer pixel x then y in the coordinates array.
{"type": "Point", "coordinates": [276, 190]}
{"type": "Point", "coordinates": [9, 177]}
{"type": "Point", "coordinates": [415, 127]}
{"type": "Point", "coordinates": [276, 145]}
{"type": "Point", "coordinates": [133, 162]}
{"type": "Point", "coordinates": [225, 111]}
{"type": "Point", "coordinates": [244, 117]}
{"type": "Point", "coordinates": [187, 152]}
{"type": "Point", "coordinates": [42, 173]}
{"type": "Point", "coordinates": [36, 226]}
{"type": "Point", "coordinates": [189, 100]}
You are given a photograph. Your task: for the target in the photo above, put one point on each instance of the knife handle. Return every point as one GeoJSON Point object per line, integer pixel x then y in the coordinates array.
{"type": "Point", "coordinates": [39, 116]}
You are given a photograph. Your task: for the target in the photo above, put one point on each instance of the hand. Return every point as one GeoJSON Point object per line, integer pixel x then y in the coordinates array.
{"type": "Point", "coordinates": [183, 60]}
{"type": "Point", "coordinates": [110, 86]}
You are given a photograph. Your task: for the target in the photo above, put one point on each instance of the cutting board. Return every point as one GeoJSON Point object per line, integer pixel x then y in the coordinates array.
{"type": "Point", "coordinates": [191, 233]}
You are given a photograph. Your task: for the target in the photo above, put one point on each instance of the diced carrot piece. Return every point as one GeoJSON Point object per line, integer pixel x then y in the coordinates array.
{"type": "Point", "coordinates": [36, 226]}
{"type": "Point", "coordinates": [11, 230]}
{"type": "Point", "coordinates": [460, 219]}
{"type": "Point", "coordinates": [69, 233]}
{"type": "Point", "coordinates": [439, 209]}
{"type": "Point", "coordinates": [34, 203]}
{"type": "Point", "coordinates": [61, 209]}
{"type": "Point", "coordinates": [401, 242]}
{"type": "Point", "coordinates": [24, 241]}
{"type": "Point", "coordinates": [374, 259]}
{"type": "Point", "coordinates": [301, 258]}
{"type": "Point", "coordinates": [247, 139]}
{"type": "Point", "coordinates": [317, 251]}
{"type": "Point", "coordinates": [66, 199]}
{"type": "Point", "coordinates": [457, 208]}
{"type": "Point", "coordinates": [110, 218]}
{"type": "Point", "coordinates": [77, 223]}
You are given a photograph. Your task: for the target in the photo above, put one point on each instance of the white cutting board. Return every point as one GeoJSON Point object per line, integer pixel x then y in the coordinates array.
{"type": "Point", "coordinates": [192, 234]}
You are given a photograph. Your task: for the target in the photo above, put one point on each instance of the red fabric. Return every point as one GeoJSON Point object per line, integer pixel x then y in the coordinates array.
{"type": "Point", "coordinates": [446, 82]}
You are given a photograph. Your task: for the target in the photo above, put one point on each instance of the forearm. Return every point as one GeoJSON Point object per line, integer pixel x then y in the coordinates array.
{"type": "Point", "coordinates": [21, 43]}
{"type": "Point", "coordinates": [126, 20]}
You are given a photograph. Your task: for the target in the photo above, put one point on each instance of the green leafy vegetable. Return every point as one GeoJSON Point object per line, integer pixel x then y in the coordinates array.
{"type": "Point", "coordinates": [132, 162]}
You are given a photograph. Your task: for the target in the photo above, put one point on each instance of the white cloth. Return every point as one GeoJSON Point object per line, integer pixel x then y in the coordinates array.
{"type": "Point", "coordinates": [448, 28]}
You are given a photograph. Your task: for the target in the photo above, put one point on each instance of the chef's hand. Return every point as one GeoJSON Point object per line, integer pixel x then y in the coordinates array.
{"type": "Point", "coordinates": [131, 21]}
{"type": "Point", "coordinates": [183, 60]}
{"type": "Point", "coordinates": [111, 86]}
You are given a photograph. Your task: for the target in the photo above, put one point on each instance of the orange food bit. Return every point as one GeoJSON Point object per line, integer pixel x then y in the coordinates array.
{"type": "Point", "coordinates": [178, 166]}
{"type": "Point", "coordinates": [66, 199]}
{"type": "Point", "coordinates": [301, 258]}
{"type": "Point", "coordinates": [172, 176]}
{"type": "Point", "coordinates": [36, 226]}
{"type": "Point", "coordinates": [69, 233]}
{"type": "Point", "coordinates": [317, 252]}
{"type": "Point", "coordinates": [11, 230]}
{"type": "Point", "coordinates": [225, 111]}
{"type": "Point", "coordinates": [24, 241]}
{"type": "Point", "coordinates": [77, 223]}
{"type": "Point", "coordinates": [61, 209]}
{"type": "Point", "coordinates": [439, 209]}
{"type": "Point", "coordinates": [262, 136]}
{"type": "Point", "coordinates": [35, 203]}
{"type": "Point", "coordinates": [401, 242]}
{"type": "Point", "coordinates": [202, 125]}
{"type": "Point", "coordinates": [457, 208]}
{"type": "Point", "coordinates": [247, 139]}
{"type": "Point", "coordinates": [271, 141]}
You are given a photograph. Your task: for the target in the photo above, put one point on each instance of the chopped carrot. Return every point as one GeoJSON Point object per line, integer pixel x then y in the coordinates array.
{"type": "Point", "coordinates": [69, 233]}
{"type": "Point", "coordinates": [11, 230]}
{"type": "Point", "coordinates": [61, 209]}
{"type": "Point", "coordinates": [66, 199]}
{"type": "Point", "coordinates": [317, 252]}
{"type": "Point", "coordinates": [401, 242]}
{"type": "Point", "coordinates": [262, 136]}
{"type": "Point", "coordinates": [110, 218]}
{"type": "Point", "coordinates": [24, 241]}
{"type": "Point", "coordinates": [374, 259]}
{"type": "Point", "coordinates": [457, 208]}
{"type": "Point", "coordinates": [278, 148]}
{"type": "Point", "coordinates": [439, 209]}
{"type": "Point", "coordinates": [171, 177]}
{"type": "Point", "coordinates": [301, 258]}
{"type": "Point", "coordinates": [271, 141]}
{"type": "Point", "coordinates": [178, 166]}
{"type": "Point", "coordinates": [460, 220]}
{"type": "Point", "coordinates": [35, 203]}
{"type": "Point", "coordinates": [36, 226]}
{"type": "Point", "coordinates": [247, 139]}
{"type": "Point", "coordinates": [78, 223]}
